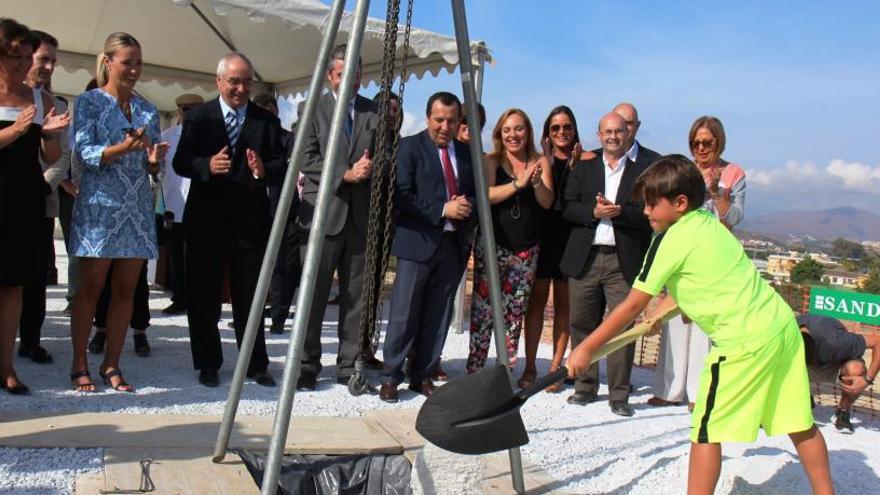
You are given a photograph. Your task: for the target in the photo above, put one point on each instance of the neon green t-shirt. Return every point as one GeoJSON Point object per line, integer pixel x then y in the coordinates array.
{"type": "Point", "coordinates": [707, 272]}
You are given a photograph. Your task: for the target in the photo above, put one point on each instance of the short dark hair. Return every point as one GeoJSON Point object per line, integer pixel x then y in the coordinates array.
{"type": "Point", "coordinates": [391, 96]}
{"type": "Point", "coordinates": [13, 35]}
{"type": "Point", "coordinates": [338, 53]}
{"type": "Point", "coordinates": [45, 37]}
{"type": "Point", "coordinates": [446, 98]}
{"type": "Point", "coordinates": [670, 176]}
{"type": "Point", "coordinates": [264, 100]}
{"type": "Point", "coordinates": [481, 110]}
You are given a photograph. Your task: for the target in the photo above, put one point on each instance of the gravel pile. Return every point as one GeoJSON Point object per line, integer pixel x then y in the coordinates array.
{"type": "Point", "coordinates": [588, 449]}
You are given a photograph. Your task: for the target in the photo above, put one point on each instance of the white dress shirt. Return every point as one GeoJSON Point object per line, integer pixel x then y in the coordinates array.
{"type": "Point", "coordinates": [174, 187]}
{"type": "Point", "coordinates": [605, 230]}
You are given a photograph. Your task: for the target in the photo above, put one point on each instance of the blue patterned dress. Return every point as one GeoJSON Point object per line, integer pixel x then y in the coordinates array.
{"type": "Point", "coordinates": [113, 214]}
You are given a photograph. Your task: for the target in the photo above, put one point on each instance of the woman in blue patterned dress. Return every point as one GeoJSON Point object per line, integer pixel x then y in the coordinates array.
{"type": "Point", "coordinates": [27, 132]}
{"type": "Point", "coordinates": [113, 228]}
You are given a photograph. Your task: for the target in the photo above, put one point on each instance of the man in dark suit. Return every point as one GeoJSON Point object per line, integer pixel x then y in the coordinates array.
{"type": "Point", "coordinates": [345, 238]}
{"type": "Point", "coordinates": [285, 277]}
{"type": "Point", "coordinates": [227, 147]}
{"type": "Point", "coordinates": [604, 251]}
{"type": "Point", "coordinates": [434, 195]}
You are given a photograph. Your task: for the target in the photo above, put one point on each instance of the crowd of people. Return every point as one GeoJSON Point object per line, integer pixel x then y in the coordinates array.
{"type": "Point", "coordinates": [584, 225]}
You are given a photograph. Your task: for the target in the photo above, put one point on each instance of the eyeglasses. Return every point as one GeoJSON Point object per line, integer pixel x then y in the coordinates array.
{"type": "Point", "coordinates": [234, 81]}
{"type": "Point", "coordinates": [565, 127]}
{"type": "Point", "coordinates": [704, 143]}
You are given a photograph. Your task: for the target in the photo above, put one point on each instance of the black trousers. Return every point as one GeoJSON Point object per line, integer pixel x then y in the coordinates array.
{"type": "Point", "coordinates": [285, 277]}
{"type": "Point", "coordinates": [176, 263]}
{"type": "Point", "coordinates": [140, 315]}
{"type": "Point", "coordinates": [33, 300]}
{"type": "Point", "coordinates": [206, 264]}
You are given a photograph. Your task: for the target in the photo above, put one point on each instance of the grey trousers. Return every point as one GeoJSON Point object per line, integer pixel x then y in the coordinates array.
{"type": "Point", "coordinates": [603, 284]}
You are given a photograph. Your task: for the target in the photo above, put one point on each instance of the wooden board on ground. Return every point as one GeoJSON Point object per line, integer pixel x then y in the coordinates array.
{"type": "Point", "coordinates": [173, 471]}
{"type": "Point", "coordinates": [308, 435]}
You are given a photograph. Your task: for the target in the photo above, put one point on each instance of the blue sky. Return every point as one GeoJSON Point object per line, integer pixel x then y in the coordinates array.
{"type": "Point", "coordinates": [796, 83]}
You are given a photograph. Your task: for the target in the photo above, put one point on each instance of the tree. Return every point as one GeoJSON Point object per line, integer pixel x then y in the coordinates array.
{"type": "Point", "coordinates": [808, 271]}
{"type": "Point", "coordinates": [872, 286]}
{"type": "Point", "coordinates": [843, 248]}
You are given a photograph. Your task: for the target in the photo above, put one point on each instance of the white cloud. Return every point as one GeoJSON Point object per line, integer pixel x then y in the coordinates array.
{"type": "Point", "coordinates": [412, 124]}
{"type": "Point", "coordinates": [856, 176]}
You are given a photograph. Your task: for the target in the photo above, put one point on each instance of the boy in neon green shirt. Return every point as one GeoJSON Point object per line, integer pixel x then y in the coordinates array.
{"type": "Point", "coordinates": [754, 376]}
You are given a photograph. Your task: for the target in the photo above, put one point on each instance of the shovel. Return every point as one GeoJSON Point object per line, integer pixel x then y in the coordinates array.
{"type": "Point", "coordinates": [479, 413]}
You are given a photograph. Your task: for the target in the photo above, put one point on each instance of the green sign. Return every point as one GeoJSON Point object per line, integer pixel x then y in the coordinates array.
{"type": "Point", "coordinates": [853, 306]}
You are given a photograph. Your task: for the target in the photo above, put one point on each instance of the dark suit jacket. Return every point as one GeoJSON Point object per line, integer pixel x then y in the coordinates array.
{"type": "Point", "coordinates": [420, 193]}
{"type": "Point", "coordinates": [632, 232]}
{"type": "Point", "coordinates": [276, 183]}
{"type": "Point", "coordinates": [233, 206]}
{"type": "Point", "coordinates": [347, 196]}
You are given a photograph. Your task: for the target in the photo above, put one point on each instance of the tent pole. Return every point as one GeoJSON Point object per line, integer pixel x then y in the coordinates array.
{"type": "Point", "coordinates": [481, 71]}
{"type": "Point", "coordinates": [217, 33]}
{"type": "Point", "coordinates": [483, 209]}
{"type": "Point", "coordinates": [316, 234]}
{"type": "Point", "coordinates": [275, 236]}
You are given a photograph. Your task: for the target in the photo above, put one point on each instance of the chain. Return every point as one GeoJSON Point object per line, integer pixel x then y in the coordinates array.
{"type": "Point", "coordinates": [380, 228]}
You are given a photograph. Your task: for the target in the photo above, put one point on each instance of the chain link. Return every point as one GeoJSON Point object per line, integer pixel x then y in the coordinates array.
{"type": "Point", "coordinates": [380, 228]}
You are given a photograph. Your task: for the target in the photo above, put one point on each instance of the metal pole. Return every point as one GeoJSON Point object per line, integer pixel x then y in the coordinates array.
{"type": "Point", "coordinates": [481, 72]}
{"type": "Point", "coordinates": [287, 192]}
{"type": "Point", "coordinates": [313, 251]}
{"type": "Point", "coordinates": [483, 209]}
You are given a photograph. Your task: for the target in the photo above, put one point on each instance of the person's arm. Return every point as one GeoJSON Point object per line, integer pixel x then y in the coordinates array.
{"type": "Point", "coordinates": [625, 313]}
{"type": "Point", "coordinates": [544, 186]}
{"type": "Point", "coordinates": [406, 197]}
{"type": "Point", "coordinates": [498, 194]}
{"type": "Point", "coordinates": [873, 342]}
{"type": "Point", "coordinates": [732, 207]}
{"type": "Point", "coordinates": [275, 161]}
{"type": "Point", "coordinates": [576, 209]}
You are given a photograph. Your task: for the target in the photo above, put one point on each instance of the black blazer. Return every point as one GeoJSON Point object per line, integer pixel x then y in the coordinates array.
{"type": "Point", "coordinates": [420, 193]}
{"type": "Point", "coordinates": [632, 232]}
{"type": "Point", "coordinates": [233, 207]}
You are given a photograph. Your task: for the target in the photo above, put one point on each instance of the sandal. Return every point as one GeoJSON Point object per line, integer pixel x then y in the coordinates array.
{"type": "Point", "coordinates": [17, 389]}
{"type": "Point", "coordinates": [527, 379]}
{"type": "Point", "coordinates": [82, 387]}
{"type": "Point", "coordinates": [122, 386]}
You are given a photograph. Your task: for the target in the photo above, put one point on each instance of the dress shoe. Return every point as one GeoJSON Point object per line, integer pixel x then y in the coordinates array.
{"type": "Point", "coordinates": [307, 381]}
{"type": "Point", "coordinates": [372, 363]}
{"type": "Point", "coordinates": [175, 308]}
{"type": "Point", "coordinates": [425, 387]}
{"type": "Point", "coordinates": [388, 392]}
{"type": "Point", "coordinates": [209, 377]}
{"type": "Point", "coordinates": [141, 346]}
{"type": "Point", "coordinates": [277, 328]}
{"type": "Point", "coordinates": [36, 354]}
{"type": "Point", "coordinates": [343, 380]}
{"type": "Point", "coordinates": [440, 375]}
{"type": "Point", "coordinates": [96, 345]}
{"type": "Point", "coordinates": [621, 408]}
{"type": "Point", "coordinates": [581, 398]}
{"type": "Point", "coordinates": [17, 389]}
{"type": "Point", "coordinates": [262, 378]}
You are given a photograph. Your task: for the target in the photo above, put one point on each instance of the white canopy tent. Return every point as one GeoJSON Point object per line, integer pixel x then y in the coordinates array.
{"type": "Point", "coordinates": [183, 40]}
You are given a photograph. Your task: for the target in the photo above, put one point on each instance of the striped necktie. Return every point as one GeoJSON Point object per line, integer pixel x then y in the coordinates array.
{"type": "Point", "coordinates": [232, 128]}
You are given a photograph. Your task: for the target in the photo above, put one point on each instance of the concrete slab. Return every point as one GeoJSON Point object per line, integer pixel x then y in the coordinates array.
{"type": "Point", "coordinates": [307, 435]}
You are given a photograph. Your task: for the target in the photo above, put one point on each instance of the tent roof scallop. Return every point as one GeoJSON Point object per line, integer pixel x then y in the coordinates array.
{"type": "Point", "coordinates": [181, 50]}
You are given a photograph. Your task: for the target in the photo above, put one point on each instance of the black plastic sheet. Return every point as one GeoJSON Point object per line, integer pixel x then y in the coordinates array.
{"type": "Point", "coordinates": [370, 474]}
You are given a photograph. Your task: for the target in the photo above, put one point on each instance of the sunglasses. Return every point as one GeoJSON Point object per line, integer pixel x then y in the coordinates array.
{"type": "Point", "coordinates": [565, 127]}
{"type": "Point", "coordinates": [705, 143]}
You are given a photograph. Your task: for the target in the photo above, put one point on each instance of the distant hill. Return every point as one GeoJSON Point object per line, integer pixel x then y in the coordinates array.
{"type": "Point", "coordinates": [849, 223]}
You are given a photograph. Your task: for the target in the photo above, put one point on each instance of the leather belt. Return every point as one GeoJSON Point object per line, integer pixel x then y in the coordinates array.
{"type": "Point", "coordinates": [605, 249]}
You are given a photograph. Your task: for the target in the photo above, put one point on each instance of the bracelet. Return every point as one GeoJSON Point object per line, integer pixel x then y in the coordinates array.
{"type": "Point", "coordinates": [515, 186]}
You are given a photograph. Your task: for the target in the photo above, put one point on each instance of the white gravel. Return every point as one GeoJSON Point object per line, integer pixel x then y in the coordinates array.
{"type": "Point", "coordinates": [588, 449]}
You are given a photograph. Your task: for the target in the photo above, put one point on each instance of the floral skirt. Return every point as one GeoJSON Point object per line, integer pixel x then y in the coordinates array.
{"type": "Point", "coordinates": [517, 272]}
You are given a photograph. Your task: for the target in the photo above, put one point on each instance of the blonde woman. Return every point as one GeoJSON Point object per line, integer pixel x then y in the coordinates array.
{"type": "Point", "coordinates": [117, 139]}
{"type": "Point", "coordinates": [520, 189]}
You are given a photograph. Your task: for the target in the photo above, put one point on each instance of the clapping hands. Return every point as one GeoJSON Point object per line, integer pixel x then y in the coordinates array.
{"type": "Point", "coordinates": [54, 123]}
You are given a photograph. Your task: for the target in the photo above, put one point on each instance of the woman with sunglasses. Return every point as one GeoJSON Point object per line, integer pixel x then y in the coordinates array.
{"type": "Point", "coordinates": [113, 227]}
{"type": "Point", "coordinates": [684, 345]}
{"type": "Point", "coordinates": [29, 130]}
{"type": "Point", "coordinates": [520, 189]}
{"type": "Point", "coordinates": [561, 144]}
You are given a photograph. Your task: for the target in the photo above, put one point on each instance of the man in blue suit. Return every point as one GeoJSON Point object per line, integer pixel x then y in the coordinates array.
{"type": "Point", "coordinates": [434, 198]}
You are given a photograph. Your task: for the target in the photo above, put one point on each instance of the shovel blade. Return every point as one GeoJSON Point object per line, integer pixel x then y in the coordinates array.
{"type": "Point", "coordinates": [474, 414]}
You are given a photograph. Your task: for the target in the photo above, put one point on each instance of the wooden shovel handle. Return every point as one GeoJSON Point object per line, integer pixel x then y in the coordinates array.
{"type": "Point", "coordinates": [634, 333]}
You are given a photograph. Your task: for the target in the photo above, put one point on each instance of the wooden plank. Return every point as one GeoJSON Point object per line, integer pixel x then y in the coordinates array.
{"type": "Point", "coordinates": [178, 471]}
{"type": "Point", "coordinates": [307, 435]}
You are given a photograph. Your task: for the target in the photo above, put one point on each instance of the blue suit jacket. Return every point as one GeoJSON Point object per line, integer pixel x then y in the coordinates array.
{"type": "Point", "coordinates": [420, 193]}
